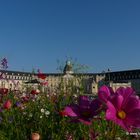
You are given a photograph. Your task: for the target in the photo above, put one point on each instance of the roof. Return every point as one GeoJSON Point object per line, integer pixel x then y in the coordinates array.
{"type": "Point", "coordinates": [128, 72]}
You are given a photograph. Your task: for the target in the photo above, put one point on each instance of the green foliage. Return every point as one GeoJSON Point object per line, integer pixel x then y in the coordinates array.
{"type": "Point", "coordinates": [3, 136]}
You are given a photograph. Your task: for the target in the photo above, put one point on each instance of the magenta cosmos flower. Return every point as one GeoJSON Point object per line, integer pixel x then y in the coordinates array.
{"type": "Point", "coordinates": [84, 111]}
{"type": "Point", "coordinates": [123, 108]}
{"type": "Point", "coordinates": [105, 93]}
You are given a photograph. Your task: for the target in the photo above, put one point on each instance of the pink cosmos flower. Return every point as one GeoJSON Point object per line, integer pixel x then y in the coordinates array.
{"type": "Point", "coordinates": [25, 98]}
{"type": "Point", "coordinates": [3, 91]}
{"type": "Point", "coordinates": [123, 108]}
{"type": "Point", "coordinates": [84, 111]}
{"type": "Point", "coordinates": [7, 104]}
{"type": "Point", "coordinates": [41, 75]}
{"type": "Point", "coordinates": [35, 92]}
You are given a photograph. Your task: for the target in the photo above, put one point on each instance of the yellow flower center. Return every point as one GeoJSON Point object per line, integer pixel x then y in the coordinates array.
{"type": "Point", "coordinates": [121, 114]}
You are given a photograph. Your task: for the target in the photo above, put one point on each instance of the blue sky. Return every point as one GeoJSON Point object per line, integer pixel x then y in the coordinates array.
{"type": "Point", "coordinates": [99, 33]}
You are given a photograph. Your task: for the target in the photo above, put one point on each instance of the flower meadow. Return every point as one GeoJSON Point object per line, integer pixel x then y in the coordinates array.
{"type": "Point", "coordinates": [64, 115]}
{"type": "Point", "coordinates": [68, 114]}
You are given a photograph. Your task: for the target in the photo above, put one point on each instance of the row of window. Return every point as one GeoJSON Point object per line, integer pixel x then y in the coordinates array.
{"type": "Point", "coordinates": [17, 77]}
{"type": "Point", "coordinates": [122, 77]}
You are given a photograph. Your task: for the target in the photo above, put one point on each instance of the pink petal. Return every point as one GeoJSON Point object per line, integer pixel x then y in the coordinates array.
{"type": "Point", "coordinates": [111, 111]}
{"type": "Point", "coordinates": [104, 93]}
{"type": "Point", "coordinates": [129, 91]}
{"type": "Point", "coordinates": [136, 123]}
{"type": "Point", "coordinates": [134, 114]}
{"type": "Point", "coordinates": [125, 92]}
{"type": "Point", "coordinates": [132, 122]}
{"type": "Point", "coordinates": [129, 121]}
{"type": "Point", "coordinates": [123, 124]}
{"type": "Point", "coordinates": [132, 104]}
{"type": "Point", "coordinates": [117, 101]}
{"type": "Point", "coordinates": [69, 111]}
{"type": "Point", "coordinates": [121, 91]}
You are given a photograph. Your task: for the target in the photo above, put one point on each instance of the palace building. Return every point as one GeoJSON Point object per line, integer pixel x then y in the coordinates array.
{"type": "Point", "coordinates": [91, 82]}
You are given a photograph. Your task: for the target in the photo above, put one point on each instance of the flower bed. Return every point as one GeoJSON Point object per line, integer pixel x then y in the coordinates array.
{"type": "Point", "coordinates": [66, 116]}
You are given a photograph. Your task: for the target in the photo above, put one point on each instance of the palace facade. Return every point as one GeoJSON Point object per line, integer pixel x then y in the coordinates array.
{"type": "Point", "coordinates": [91, 82]}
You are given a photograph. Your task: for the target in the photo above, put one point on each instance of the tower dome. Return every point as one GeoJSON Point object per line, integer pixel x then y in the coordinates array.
{"type": "Point", "coordinates": [68, 68]}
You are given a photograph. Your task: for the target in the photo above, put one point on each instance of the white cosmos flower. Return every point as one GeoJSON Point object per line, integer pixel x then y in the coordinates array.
{"type": "Point", "coordinates": [47, 112]}
{"type": "Point", "coordinates": [42, 110]}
